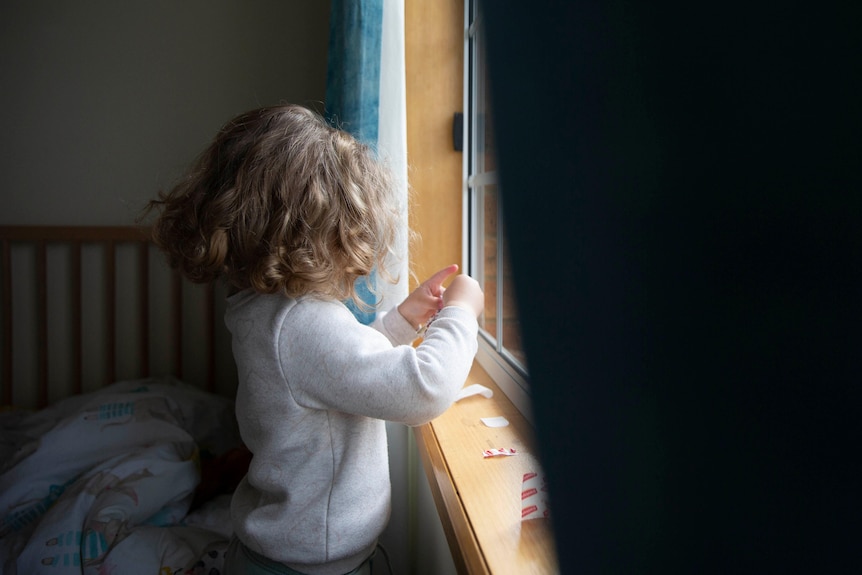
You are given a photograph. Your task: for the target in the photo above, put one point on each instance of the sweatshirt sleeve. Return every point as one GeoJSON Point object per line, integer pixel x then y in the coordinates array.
{"type": "Point", "coordinates": [393, 325]}
{"type": "Point", "coordinates": [331, 361]}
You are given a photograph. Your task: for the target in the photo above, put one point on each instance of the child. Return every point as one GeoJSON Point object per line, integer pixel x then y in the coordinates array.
{"type": "Point", "coordinates": [290, 212]}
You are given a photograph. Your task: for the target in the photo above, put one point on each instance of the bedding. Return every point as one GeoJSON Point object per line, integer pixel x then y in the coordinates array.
{"type": "Point", "coordinates": [134, 478]}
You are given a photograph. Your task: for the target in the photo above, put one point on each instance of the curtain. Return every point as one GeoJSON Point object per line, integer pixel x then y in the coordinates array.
{"type": "Point", "coordinates": [365, 96]}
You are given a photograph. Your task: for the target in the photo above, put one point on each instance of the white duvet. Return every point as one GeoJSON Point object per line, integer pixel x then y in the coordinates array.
{"type": "Point", "coordinates": [102, 483]}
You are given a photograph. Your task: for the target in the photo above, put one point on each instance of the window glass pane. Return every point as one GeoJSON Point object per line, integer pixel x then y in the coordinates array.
{"type": "Point", "coordinates": [485, 152]}
{"type": "Point", "coordinates": [511, 326]}
{"type": "Point", "coordinates": [488, 255]}
{"type": "Point", "coordinates": [487, 196]}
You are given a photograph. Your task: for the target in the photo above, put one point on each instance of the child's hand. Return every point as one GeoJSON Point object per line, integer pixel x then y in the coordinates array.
{"type": "Point", "coordinates": [427, 299]}
{"type": "Point", "coordinates": [465, 292]}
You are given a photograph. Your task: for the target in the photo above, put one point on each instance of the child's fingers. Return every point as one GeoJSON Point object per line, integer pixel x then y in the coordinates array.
{"type": "Point", "coordinates": [435, 282]}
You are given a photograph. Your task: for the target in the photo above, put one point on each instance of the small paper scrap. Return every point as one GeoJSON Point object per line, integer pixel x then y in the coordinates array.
{"type": "Point", "coordinates": [498, 421]}
{"type": "Point", "coordinates": [502, 451]}
{"type": "Point", "coordinates": [475, 389]}
{"type": "Point", "coordinates": [534, 497]}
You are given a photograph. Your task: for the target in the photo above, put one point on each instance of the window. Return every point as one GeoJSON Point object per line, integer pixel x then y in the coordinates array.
{"type": "Point", "coordinates": [485, 249]}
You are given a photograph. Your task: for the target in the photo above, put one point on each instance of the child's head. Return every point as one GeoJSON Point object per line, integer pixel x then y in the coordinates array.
{"type": "Point", "coordinates": [280, 202]}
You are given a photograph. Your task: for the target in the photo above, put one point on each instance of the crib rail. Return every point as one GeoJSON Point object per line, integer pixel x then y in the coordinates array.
{"type": "Point", "coordinates": [36, 242]}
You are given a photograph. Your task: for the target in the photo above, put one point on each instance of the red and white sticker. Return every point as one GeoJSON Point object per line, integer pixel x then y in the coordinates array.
{"type": "Point", "coordinates": [501, 451]}
{"type": "Point", "coordinates": [534, 497]}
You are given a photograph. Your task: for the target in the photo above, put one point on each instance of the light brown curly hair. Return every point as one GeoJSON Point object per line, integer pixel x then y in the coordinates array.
{"type": "Point", "coordinates": [280, 202]}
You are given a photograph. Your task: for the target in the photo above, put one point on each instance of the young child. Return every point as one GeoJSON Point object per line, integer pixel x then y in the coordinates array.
{"type": "Point", "coordinates": [290, 212]}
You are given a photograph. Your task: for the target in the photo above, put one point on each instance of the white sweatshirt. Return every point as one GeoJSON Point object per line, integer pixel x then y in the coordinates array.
{"type": "Point", "coordinates": [315, 387]}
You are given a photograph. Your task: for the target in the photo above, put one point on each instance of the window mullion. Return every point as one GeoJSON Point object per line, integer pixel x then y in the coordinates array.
{"type": "Point", "coordinates": [500, 266]}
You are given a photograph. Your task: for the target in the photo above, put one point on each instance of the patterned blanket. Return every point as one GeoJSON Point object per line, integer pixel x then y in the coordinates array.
{"type": "Point", "coordinates": [104, 482]}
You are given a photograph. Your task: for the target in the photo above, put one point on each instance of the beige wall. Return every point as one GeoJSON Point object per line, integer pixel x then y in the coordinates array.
{"type": "Point", "coordinates": [105, 102]}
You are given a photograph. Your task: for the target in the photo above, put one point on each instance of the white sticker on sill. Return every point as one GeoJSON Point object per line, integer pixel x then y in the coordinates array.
{"type": "Point", "coordinates": [498, 421]}
{"type": "Point", "coordinates": [474, 389]}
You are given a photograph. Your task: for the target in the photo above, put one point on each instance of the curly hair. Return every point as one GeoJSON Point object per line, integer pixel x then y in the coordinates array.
{"type": "Point", "coordinates": [280, 202]}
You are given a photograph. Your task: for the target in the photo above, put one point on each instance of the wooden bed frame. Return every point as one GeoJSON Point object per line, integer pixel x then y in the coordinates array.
{"type": "Point", "coordinates": [84, 306]}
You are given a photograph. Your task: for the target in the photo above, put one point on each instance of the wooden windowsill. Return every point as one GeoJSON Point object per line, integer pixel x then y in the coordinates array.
{"type": "Point", "coordinates": [479, 499]}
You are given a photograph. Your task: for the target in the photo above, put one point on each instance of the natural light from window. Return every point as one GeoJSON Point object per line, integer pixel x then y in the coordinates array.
{"type": "Point", "coordinates": [486, 252]}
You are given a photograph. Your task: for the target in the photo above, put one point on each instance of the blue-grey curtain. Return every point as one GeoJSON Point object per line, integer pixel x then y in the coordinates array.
{"type": "Point", "coordinates": [353, 90]}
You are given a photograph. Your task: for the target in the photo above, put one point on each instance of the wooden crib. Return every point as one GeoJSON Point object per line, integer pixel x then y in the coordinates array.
{"type": "Point", "coordinates": [84, 306]}
{"type": "Point", "coordinates": [118, 441]}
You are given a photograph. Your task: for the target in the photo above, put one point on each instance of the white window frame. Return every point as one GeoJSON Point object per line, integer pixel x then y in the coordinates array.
{"type": "Point", "coordinates": [509, 375]}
